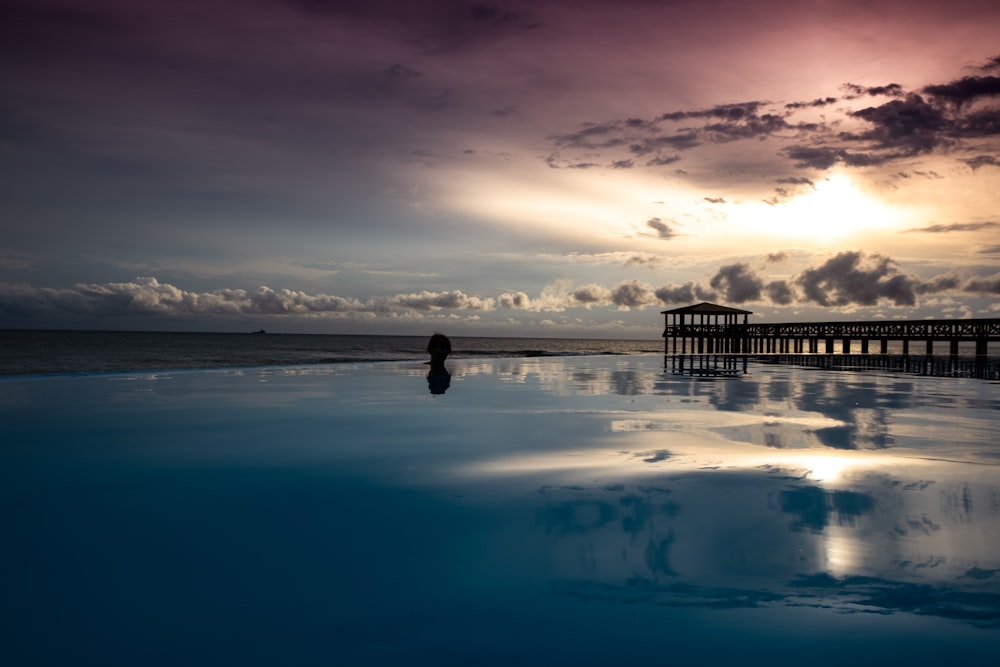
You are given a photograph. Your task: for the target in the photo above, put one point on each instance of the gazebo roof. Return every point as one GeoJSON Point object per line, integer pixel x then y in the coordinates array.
{"type": "Point", "coordinates": [706, 307]}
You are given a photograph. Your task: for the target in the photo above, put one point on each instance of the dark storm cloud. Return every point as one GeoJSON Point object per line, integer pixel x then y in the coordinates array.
{"type": "Point", "coordinates": [622, 164]}
{"type": "Point", "coordinates": [992, 64]}
{"type": "Point", "coordinates": [819, 102]}
{"type": "Point", "coordinates": [731, 112]}
{"type": "Point", "coordinates": [911, 126]}
{"type": "Point", "coordinates": [794, 180]}
{"type": "Point", "coordinates": [757, 126]}
{"type": "Point", "coordinates": [955, 227]}
{"type": "Point", "coordinates": [642, 260]}
{"type": "Point", "coordinates": [782, 192]}
{"type": "Point", "coordinates": [855, 91]}
{"type": "Point", "coordinates": [640, 124]}
{"type": "Point", "coordinates": [685, 293]}
{"type": "Point", "coordinates": [591, 295]}
{"type": "Point", "coordinates": [676, 142]}
{"type": "Point", "coordinates": [662, 229]}
{"type": "Point", "coordinates": [965, 90]}
{"type": "Point", "coordinates": [982, 161]}
{"type": "Point", "coordinates": [593, 135]}
{"type": "Point", "coordinates": [945, 283]}
{"type": "Point", "coordinates": [663, 160]}
{"type": "Point", "coordinates": [737, 283]}
{"type": "Point", "coordinates": [731, 122]}
{"type": "Point", "coordinates": [982, 123]}
{"type": "Point", "coordinates": [851, 278]}
{"type": "Point", "coordinates": [824, 157]}
{"type": "Point", "coordinates": [779, 292]}
{"type": "Point", "coordinates": [847, 279]}
{"type": "Point", "coordinates": [937, 118]}
{"type": "Point", "coordinates": [989, 285]}
{"type": "Point", "coordinates": [632, 294]}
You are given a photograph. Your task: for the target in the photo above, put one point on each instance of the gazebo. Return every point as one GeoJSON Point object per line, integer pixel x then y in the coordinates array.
{"type": "Point", "coordinates": [709, 327]}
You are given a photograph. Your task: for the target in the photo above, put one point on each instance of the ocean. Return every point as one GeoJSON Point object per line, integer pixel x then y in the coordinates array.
{"type": "Point", "coordinates": [45, 351]}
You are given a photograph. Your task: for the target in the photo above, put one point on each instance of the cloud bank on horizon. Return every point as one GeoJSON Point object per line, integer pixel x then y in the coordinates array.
{"type": "Point", "coordinates": [495, 167]}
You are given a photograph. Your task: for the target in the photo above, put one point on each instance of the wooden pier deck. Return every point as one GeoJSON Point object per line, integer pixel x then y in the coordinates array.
{"type": "Point", "coordinates": [712, 329]}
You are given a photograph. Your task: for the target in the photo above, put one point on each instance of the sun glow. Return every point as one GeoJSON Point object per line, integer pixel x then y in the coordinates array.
{"type": "Point", "coordinates": [833, 208]}
{"type": "Point", "coordinates": [588, 206]}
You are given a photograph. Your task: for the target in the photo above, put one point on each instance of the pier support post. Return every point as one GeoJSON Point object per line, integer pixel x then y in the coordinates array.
{"type": "Point", "coordinates": [846, 346]}
{"type": "Point", "coordinates": [829, 346]}
{"type": "Point", "coordinates": [884, 347]}
{"type": "Point", "coordinates": [864, 346]}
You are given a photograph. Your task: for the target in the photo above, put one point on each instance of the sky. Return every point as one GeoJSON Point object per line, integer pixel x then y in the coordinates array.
{"type": "Point", "coordinates": [524, 168]}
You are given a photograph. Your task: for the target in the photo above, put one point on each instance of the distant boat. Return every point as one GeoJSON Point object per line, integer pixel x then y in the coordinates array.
{"type": "Point", "coordinates": [260, 332]}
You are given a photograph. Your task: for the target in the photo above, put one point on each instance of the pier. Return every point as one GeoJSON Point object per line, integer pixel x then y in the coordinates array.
{"type": "Point", "coordinates": [708, 328]}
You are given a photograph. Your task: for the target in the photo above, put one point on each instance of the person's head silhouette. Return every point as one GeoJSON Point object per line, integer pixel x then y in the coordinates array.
{"type": "Point", "coordinates": [439, 347]}
{"type": "Point", "coordinates": [438, 378]}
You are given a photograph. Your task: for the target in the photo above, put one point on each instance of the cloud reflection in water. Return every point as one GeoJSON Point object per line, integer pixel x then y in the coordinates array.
{"type": "Point", "coordinates": [787, 487]}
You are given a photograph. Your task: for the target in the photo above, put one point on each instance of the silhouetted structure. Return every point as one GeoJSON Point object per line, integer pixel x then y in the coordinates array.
{"type": "Point", "coordinates": [708, 365]}
{"type": "Point", "coordinates": [929, 365]}
{"type": "Point", "coordinates": [709, 328]}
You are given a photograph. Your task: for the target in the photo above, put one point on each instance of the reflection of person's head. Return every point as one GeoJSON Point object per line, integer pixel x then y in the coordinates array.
{"type": "Point", "coordinates": [439, 347]}
{"type": "Point", "coordinates": [438, 379]}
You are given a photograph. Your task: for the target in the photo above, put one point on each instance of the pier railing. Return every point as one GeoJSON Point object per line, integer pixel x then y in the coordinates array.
{"type": "Point", "coordinates": [823, 337]}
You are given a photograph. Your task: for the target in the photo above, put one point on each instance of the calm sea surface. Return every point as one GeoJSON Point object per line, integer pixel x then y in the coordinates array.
{"type": "Point", "coordinates": [28, 352]}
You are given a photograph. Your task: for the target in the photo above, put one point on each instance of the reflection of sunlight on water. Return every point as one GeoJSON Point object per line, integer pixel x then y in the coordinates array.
{"type": "Point", "coordinates": [554, 461]}
{"type": "Point", "coordinates": [842, 551]}
{"type": "Point", "coordinates": [687, 451]}
{"type": "Point", "coordinates": [824, 467]}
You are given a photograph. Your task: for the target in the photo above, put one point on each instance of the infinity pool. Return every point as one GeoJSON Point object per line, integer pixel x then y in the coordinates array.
{"type": "Point", "coordinates": [581, 511]}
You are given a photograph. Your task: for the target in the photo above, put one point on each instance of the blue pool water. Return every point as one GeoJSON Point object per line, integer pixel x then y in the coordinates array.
{"type": "Point", "coordinates": [582, 510]}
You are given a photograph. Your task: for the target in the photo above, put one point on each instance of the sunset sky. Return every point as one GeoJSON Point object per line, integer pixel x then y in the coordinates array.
{"type": "Point", "coordinates": [544, 167]}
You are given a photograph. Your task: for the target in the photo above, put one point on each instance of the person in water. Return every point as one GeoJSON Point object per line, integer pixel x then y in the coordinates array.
{"type": "Point", "coordinates": [439, 347]}
{"type": "Point", "coordinates": [438, 378]}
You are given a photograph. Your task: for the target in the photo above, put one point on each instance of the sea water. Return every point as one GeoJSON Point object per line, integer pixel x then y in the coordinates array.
{"type": "Point", "coordinates": [584, 510]}
{"type": "Point", "coordinates": [49, 351]}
